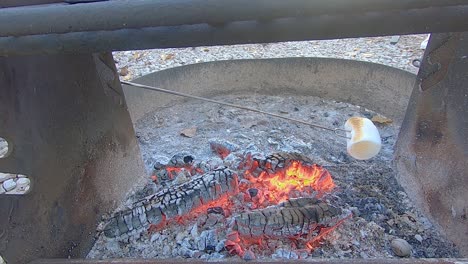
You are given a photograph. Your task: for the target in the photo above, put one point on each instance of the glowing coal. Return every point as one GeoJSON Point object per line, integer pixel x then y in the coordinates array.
{"type": "Point", "coordinates": [268, 199]}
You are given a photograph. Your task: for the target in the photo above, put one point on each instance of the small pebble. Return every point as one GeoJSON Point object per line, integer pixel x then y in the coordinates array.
{"type": "Point", "coordinates": [418, 238]}
{"type": "Point", "coordinates": [23, 183]}
{"type": "Point", "coordinates": [9, 185]}
{"type": "Point", "coordinates": [401, 248]}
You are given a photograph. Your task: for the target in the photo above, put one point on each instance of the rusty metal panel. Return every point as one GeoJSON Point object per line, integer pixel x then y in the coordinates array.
{"type": "Point", "coordinates": [432, 150]}
{"type": "Point", "coordinates": [71, 133]}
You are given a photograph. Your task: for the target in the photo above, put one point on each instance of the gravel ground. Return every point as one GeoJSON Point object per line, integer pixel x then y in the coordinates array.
{"type": "Point", "coordinates": [133, 64]}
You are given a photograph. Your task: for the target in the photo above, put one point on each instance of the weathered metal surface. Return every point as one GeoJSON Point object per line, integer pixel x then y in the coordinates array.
{"type": "Point", "coordinates": [438, 60]}
{"type": "Point", "coordinates": [380, 88]}
{"type": "Point", "coordinates": [248, 29]}
{"type": "Point", "coordinates": [314, 261]}
{"type": "Point", "coordinates": [115, 15]}
{"type": "Point", "coordinates": [66, 120]}
{"type": "Point", "coordinates": [171, 202]}
{"type": "Point", "coordinates": [432, 149]}
{"type": "Point", "coordinates": [290, 218]}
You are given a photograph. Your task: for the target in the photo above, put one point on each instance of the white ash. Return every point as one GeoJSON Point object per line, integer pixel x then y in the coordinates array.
{"type": "Point", "coordinates": [382, 210]}
{"type": "Point", "coordinates": [133, 64]}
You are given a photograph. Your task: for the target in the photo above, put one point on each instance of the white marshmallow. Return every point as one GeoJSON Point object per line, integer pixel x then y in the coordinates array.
{"type": "Point", "coordinates": [364, 142]}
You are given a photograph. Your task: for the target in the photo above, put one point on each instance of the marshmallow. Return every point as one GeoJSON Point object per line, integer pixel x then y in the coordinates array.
{"type": "Point", "coordinates": [363, 139]}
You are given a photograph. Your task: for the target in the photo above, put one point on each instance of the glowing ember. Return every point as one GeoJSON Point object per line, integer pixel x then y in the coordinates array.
{"type": "Point", "coordinates": [299, 177]}
{"type": "Point", "coordinates": [274, 200]}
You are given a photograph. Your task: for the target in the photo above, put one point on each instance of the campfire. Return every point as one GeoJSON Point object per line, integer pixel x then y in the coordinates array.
{"type": "Point", "coordinates": [246, 186]}
{"type": "Point", "coordinates": [262, 201]}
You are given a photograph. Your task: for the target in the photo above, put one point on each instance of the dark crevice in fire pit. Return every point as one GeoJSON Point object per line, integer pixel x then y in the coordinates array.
{"type": "Point", "coordinates": [267, 185]}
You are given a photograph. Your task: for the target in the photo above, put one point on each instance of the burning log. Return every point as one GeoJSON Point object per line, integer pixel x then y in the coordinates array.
{"type": "Point", "coordinates": [290, 218]}
{"type": "Point", "coordinates": [281, 160]}
{"type": "Point", "coordinates": [301, 219]}
{"type": "Point", "coordinates": [171, 203]}
{"type": "Point", "coordinates": [281, 174]}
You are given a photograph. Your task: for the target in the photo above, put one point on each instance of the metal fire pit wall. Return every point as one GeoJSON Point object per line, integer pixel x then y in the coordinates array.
{"type": "Point", "coordinates": [432, 148]}
{"type": "Point", "coordinates": [66, 121]}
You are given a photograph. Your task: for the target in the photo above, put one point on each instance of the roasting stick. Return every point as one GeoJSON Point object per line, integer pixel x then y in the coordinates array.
{"type": "Point", "coordinates": [362, 136]}
{"type": "Point", "coordinates": [335, 130]}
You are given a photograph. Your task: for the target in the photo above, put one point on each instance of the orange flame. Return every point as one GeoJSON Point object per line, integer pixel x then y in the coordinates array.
{"type": "Point", "coordinates": [278, 186]}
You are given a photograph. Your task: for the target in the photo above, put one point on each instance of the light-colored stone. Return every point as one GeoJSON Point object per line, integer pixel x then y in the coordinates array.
{"type": "Point", "coordinates": [2, 191]}
{"type": "Point", "coordinates": [22, 186]}
{"type": "Point", "coordinates": [401, 248]}
{"type": "Point", "coordinates": [6, 176]}
{"type": "Point", "coordinates": [418, 238]}
{"type": "Point", "coordinates": [9, 185]}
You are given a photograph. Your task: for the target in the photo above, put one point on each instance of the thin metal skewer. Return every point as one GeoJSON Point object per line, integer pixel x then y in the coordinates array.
{"type": "Point", "coordinates": [334, 130]}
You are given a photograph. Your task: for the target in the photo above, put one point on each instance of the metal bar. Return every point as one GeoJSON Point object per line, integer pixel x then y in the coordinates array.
{"type": "Point", "coordinates": [440, 19]}
{"type": "Point", "coordinates": [115, 15]}
{"type": "Point", "coordinates": [308, 261]}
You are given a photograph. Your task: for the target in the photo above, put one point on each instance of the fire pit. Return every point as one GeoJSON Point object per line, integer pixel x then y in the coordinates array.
{"type": "Point", "coordinates": [225, 183]}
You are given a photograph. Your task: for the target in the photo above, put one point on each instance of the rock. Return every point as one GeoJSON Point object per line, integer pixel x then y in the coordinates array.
{"type": "Point", "coordinates": [248, 255]}
{"type": "Point", "coordinates": [2, 191]}
{"type": "Point", "coordinates": [418, 238]}
{"type": "Point", "coordinates": [401, 248]}
{"type": "Point", "coordinates": [9, 185]}
{"type": "Point", "coordinates": [6, 176]}
{"type": "Point", "coordinates": [23, 184]}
